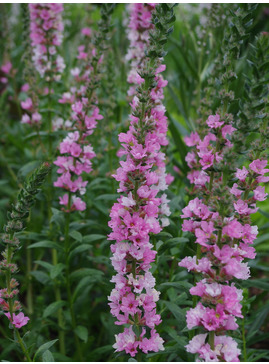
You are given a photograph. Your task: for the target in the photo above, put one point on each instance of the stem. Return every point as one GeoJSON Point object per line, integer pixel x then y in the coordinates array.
{"type": "Point", "coordinates": [134, 268]}
{"type": "Point", "coordinates": [29, 297]}
{"type": "Point", "coordinates": [211, 339]}
{"type": "Point", "coordinates": [68, 285]}
{"type": "Point", "coordinates": [22, 345]}
{"type": "Point", "coordinates": [244, 340]}
{"type": "Point", "coordinates": [219, 237]}
{"type": "Point", "coordinates": [58, 298]}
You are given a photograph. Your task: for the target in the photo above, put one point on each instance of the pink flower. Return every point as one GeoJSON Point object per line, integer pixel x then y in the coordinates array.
{"type": "Point", "coordinates": [233, 229]}
{"type": "Point", "coordinates": [227, 129]}
{"type": "Point", "coordinates": [214, 122]}
{"type": "Point", "coordinates": [203, 235]}
{"type": "Point", "coordinates": [36, 117]}
{"type": "Point", "coordinates": [27, 104]}
{"type": "Point", "coordinates": [196, 343]}
{"type": "Point", "coordinates": [18, 320]}
{"type": "Point", "coordinates": [259, 194]}
{"type": "Point", "coordinates": [206, 160]}
{"type": "Point", "coordinates": [6, 68]}
{"type": "Point", "coordinates": [86, 31]}
{"type": "Point", "coordinates": [235, 191]}
{"type": "Point", "coordinates": [258, 166]}
{"type": "Point", "coordinates": [26, 119]}
{"type": "Point", "coordinates": [25, 87]}
{"type": "Point", "coordinates": [241, 174]}
{"type": "Point", "coordinates": [78, 204]}
{"type": "Point", "coordinates": [192, 140]}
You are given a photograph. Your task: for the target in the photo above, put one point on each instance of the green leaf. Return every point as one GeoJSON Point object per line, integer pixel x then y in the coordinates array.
{"type": "Point", "coordinates": [177, 240]}
{"type": "Point", "coordinates": [178, 285]}
{"type": "Point", "coordinates": [80, 249]}
{"type": "Point", "coordinates": [76, 235]}
{"type": "Point", "coordinates": [40, 276]}
{"type": "Point", "coordinates": [47, 356]}
{"type": "Point", "coordinates": [170, 243]}
{"type": "Point", "coordinates": [257, 283]}
{"type": "Point", "coordinates": [181, 147]}
{"type": "Point", "coordinates": [43, 348]}
{"type": "Point", "coordinates": [52, 308]}
{"type": "Point", "coordinates": [93, 237]}
{"type": "Point", "coordinates": [47, 244]}
{"type": "Point", "coordinates": [82, 333]}
{"type": "Point", "coordinates": [56, 270]}
{"type": "Point", "coordinates": [107, 197]}
{"type": "Point", "coordinates": [28, 167]}
{"type": "Point", "coordinates": [177, 312]}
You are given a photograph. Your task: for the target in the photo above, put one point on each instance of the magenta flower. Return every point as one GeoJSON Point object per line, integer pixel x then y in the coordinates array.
{"type": "Point", "coordinates": [18, 320]}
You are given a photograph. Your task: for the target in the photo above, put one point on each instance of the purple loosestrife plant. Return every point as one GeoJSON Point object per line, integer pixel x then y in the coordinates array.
{"type": "Point", "coordinates": [46, 34]}
{"type": "Point", "coordinates": [76, 152]}
{"type": "Point", "coordinates": [45, 28]}
{"type": "Point", "coordinates": [220, 221]}
{"type": "Point", "coordinates": [20, 211]}
{"type": "Point", "coordinates": [141, 209]}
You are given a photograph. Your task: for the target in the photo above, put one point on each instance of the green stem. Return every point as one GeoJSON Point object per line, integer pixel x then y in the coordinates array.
{"type": "Point", "coordinates": [244, 340]}
{"type": "Point", "coordinates": [22, 345]}
{"type": "Point", "coordinates": [58, 298]}
{"type": "Point", "coordinates": [68, 284]}
{"type": "Point", "coordinates": [134, 268]}
{"type": "Point", "coordinates": [29, 298]}
{"type": "Point", "coordinates": [211, 339]}
{"type": "Point", "coordinates": [219, 237]}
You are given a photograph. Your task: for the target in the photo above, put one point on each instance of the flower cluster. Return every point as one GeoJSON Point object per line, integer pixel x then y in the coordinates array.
{"type": "Point", "coordinates": [20, 211]}
{"type": "Point", "coordinates": [223, 232]}
{"type": "Point", "coordinates": [81, 73]}
{"type": "Point", "coordinates": [46, 35]}
{"type": "Point", "coordinates": [141, 210]}
{"type": "Point", "coordinates": [138, 34]}
{"type": "Point", "coordinates": [32, 116]}
{"type": "Point", "coordinates": [76, 154]}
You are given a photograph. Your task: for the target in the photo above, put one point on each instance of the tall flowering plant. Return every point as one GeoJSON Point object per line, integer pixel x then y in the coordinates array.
{"type": "Point", "coordinates": [140, 210]}
{"type": "Point", "coordinates": [220, 221]}
{"type": "Point", "coordinates": [76, 152]}
{"type": "Point", "coordinates": [9, 304]}
{"type": "Point", "coordinates": [45, 32]}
